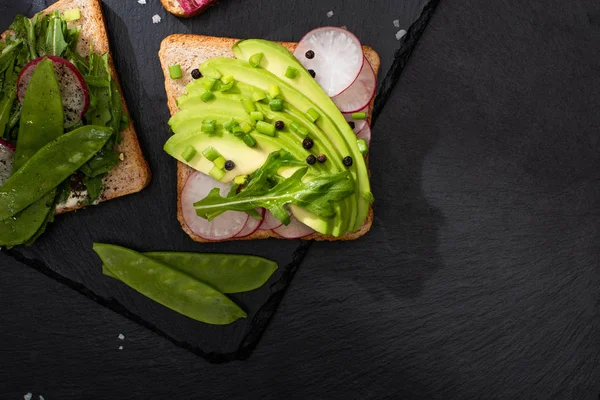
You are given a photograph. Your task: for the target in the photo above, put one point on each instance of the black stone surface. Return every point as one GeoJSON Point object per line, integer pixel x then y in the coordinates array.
{"type": "Point", "coordinates": [480, 278]}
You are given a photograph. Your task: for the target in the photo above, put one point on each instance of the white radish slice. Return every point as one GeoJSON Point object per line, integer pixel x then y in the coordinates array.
{"type": "Point", "coordinates": [360, 93]}
{"type": "Point", "coordinates": [223, 227]}
{"type": "Point", "coordinates": [365, 134]}
{"type": "Point", "coordinates": [73, 89]}
{"type": "Point", "coordinates": [252, 225]}
{"type": "Point", "coordinates": [338, 57]}
{"type": "Point", "coordinates": [358, 124]}
{"type": "Point", "coordinates": [295, 230]}
{"type": "Point", "coordinates": [270, 222]}
{"type": "Point", "coordinates": [7, 156]}
{"type": "Point", "coordinates": [195, 6]}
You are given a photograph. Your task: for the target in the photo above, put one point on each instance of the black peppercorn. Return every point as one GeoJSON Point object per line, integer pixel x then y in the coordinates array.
{"type": "Point", "coordinates": [229, 165]}
{"type": "Point", "coordinates": [312, 72]}
{"type": "Point", "coordinates": [196, 74]}
{"type": "Point", "coordinates": [308, 143]}
{"type": "Point", "coordinates": [311, 159]}
{"type": "Point", "coordinates": [352, 124]}
{"type": "Point", "coordinates": [322, 158]}
{"type": "Point", "coordinates": [347, 161]}
{"type": "Point", "coordinates": [279, 125]}
{"type": "Point", "coordinates": [310, 54]}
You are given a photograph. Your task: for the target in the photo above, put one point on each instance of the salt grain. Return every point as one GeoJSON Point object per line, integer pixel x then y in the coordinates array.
{"type": "Point", "coordinates": [156, 19]}
{"type": "Point", "coordinates": [41, 397]}
{"type": "Point", "coordinates": [121, 336]}
{"type": "Point", "coordinates": [400, 34]}
{"type": "Point", "coordinates": [330, 14]}
{"type": "Point", "coordinates": [142, 2]}
{"type": "Point", "coordinates": [397, 23]}
{"type": "Point", "coordinates": [27, 396]}
{"type": "Point", "coordinates": [120, 347]}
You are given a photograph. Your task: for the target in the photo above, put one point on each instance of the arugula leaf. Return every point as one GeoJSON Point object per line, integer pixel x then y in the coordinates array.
{"type": "Point", "coordinates": [52, 34]}
{"type": "Point", "coordinates": [315, 195]}
{"type": "Point", "coordinates": [101, 163]}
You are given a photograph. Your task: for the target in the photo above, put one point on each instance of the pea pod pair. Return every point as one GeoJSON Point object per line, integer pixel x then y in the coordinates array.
{"type": "Point", "coordinates": [191, 284]}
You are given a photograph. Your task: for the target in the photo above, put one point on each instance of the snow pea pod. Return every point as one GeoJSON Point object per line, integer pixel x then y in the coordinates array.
{"type": "Point", "coordinates": [226, 273]}
{"type": "Point", "coordinates": [49, 167]}
{"type": "Point", "coordinates": [169, 287]}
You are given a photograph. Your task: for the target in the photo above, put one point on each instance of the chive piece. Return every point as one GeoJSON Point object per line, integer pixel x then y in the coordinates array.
{"type": "Point", "coordinates": [210, 153]}
{"type": "Point", "coordinates": [249, 105]}
{"type": "Point", "coordinates": [291, 72]}
{"type": "Point", "coordinates": [359, 115]}
{"type": "Point", "coordinates": [257, 116]}
{"type": "Point", "coordinates": [210, 122]}
{"type": "Point", "coordinates": [265, 128]}
{"type": "Point", "coordinates": [249, 140]}
{"type": "Point", "coordinates": [259, 95]}
{"type": "Point", "coordinates": [274, 91]}
{"type": "Point", "coordinates": [231, 125]}
{"type": "Point", "coordinates": [227, 79]}
{"type": "Point", "coordinates": [299, 129]}
{"type": "Point", "coordinates": [276, 104]}
{"type": "Point", "coordinates": [208, 83]}
{"type": "Point", "coordinates": [313, 115]}
{"type": "Point", "coordinates": [220, 162]}
{"type": "Point", "coordinates": [72, 15]}
{"type": "Point", "coordinates": [189, 153]}
{"type": "Point", "coordinates": [240, 179]}
{"type": "Point", "coordinates": [207, 96]}
{"type": "Point", "coordinates": [246, 127]}
{"type": "Point", "coordinates": [227, 86]}
{"type": "Point", "coordinates": [208, 128]}
{"type": "Point", "coordinates": [216, 173]}
{"type": "Point", "coordinates": [256, 59]}
{"type": "Point", "coordinates": [175, 71]}
{"type": "Point", "coordinates": [362, 146]}
{"type": "Point", "coordinates": [218, 75]}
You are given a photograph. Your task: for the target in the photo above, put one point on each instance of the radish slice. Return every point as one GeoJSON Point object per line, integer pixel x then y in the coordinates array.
{"type": "Point", "coordinates": [295, 230]}
{"type": "Point", "coordinates": [225, 226]}
{"type": "Point", "coordinates": [252, 225]}
{"type": "Point", "coordinates": [195, 6]}
{"type": "Point", "coordinates": [270, 222]}
{"type": "Point", "coordinates": [338, 58]}
{"type": "Point", "coordinates": [360, 93]}
{"type": "Point", "coordinates": [73, 89]}
{"type": "Point", "coordinates": [365, 134]}
{"type": "Point", "coordinates": [358, 124]}
{"type": "Point", "coordinates": [7, 156]}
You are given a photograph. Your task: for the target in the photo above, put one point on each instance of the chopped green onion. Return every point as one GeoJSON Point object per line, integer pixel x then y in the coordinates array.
{"type": "Point", "coordinates": [249, 105]}
{"type": "Point", "coordinates": [274, 91]}
{"type": "Point", "coordinates": [246, 127]}
{"type": "Point", "coordinates": [227, 79]}
{"type": "Point", "coordinates": [259, 95]}
{"type": "Point", "coordinates": [218, 75]}
{"type": "Point", "coordinates": [207, 96]}
{"type": "Point", "coordinates": [240, 179]}
{"type": "Point", "coordinates": [175, 71]}
{"type": "Point", "coordinates": [256, 59]}
{"type": "Point", "coordinates": [220, 162]}
{"type": "Point", "coordinates": [362, 146]}
{"type": "Point", "coordinates": [291, 72]}
{"type": "Point", "coordinates": [208, 128]}
{"type": "Point", "coordinates": [189, 153]}
{"type": "Point", "coordinates": [257, 116]}
{"type": "Point", "coordinates": [226, 86]}
{"type": "Point", "coordinates": [217, 173]}
{"type": "Point", "coordinates": [208, 83]}
{"type": "Point", "coordinates": [299, 129]}
{"type": "Point", "coordinates": [313, 115]}
{"type": "Point", "coordinates": [265, 128]}
{"type": "Point", "coordinates": [72, 15]}
{"type": "Point", "coordinates": [368, 196]}
{"type": "Point", "coordinates": [359, 115]}
{"type": "Point", "coordinates": [231, 125]}
{"type": "Point", "coordinates": [249, 140]}
{"type": "Point", "coordinates": [276, 104]}
{"type": "Point", "coordinates": [210, 153]}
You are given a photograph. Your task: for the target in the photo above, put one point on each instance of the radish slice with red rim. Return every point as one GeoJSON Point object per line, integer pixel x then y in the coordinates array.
{"type": "Point", "coordinates": [360, 93]}
{"type": "Point", "coordinates": [270, 222]}
{"type": "Point", "coordinates": [7, 156]}
{"type": "Point", "coordinates": [338, 57]}
{"type": "Point", "coordinates": [73, 89]}
{"type": "Point", "coordinates": [223, 227]}
{"type": "Point", "coordinates": [295, 230]}
{"type": "Point", "coordinates": [365, 134]}
{"type": "Point", "coordinates": [358, 124]}
{"type": "Point", "coordinates": [252, 225]}
{"type": "Point", "coordinates": [195, 6]}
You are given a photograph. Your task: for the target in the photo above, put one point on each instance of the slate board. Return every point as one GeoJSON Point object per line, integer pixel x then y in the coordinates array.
{"type": "Point", "coordinates": [147, 221]}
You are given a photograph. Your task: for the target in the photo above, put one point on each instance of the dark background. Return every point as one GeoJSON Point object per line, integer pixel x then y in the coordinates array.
{"type": "Point", "coordinates": [479, 279]}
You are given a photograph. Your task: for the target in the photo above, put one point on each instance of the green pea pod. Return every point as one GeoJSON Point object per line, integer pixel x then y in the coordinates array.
{"type": "Point", "coordinates": [169, 287]}
{"type": "Point", "coordinates": [24, 226]}
{"type": "Point", "coordinates": [226, 273]}
{"type": "Point", "coordinates": [49, 167]}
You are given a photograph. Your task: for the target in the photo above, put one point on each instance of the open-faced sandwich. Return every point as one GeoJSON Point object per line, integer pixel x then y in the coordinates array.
{"type": "Point", "coordinates": [187, 8]}
{"type": "Point", "coordinates": [66, 140]}
{"type": "Point", "coordinates": [271, 138]}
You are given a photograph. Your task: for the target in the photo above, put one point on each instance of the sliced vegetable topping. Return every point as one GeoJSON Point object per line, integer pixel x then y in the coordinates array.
{"type": "Point", "coordinates": [358, 95]}
{"type": "Point", "coordinates": [175, 71]}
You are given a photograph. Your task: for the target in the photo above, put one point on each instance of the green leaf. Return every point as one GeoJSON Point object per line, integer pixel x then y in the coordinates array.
{"type": "Point", "coordinates": [94, 187]}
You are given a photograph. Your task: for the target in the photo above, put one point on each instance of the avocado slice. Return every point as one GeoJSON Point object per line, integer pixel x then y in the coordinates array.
{"type": "Point", "coordinates": [276, 60]}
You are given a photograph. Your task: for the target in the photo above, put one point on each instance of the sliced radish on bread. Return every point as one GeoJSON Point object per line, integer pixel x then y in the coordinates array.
{"type": "Point", "coordinates": [358, 96]}
{"type": "Point", "coordinates": [295, 230]}
{"type": "Point", "coordinates": [195, 6]}
{"type": "Point", "coordinates": [270, 222]}
{"type": "Point", "coordinates": [252, 225]}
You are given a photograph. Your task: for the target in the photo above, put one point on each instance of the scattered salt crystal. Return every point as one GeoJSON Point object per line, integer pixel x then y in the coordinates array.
{"type": "Point", "coordinates": [121, 336]}
{"type": "Point", "coordinates": [329, 14]}
{"type": "Point", "coordinates": [156, 19]}
{"type": "Point", "coordinates": [344, 27]}
{"type": "Point", "coordinates": [41, 397]}
{"type": "Point", "coordinates": [400, 34]}
{"type": "Point", "coordinates": [27, 396]}
{"type": "Point", "coordinates": [142, 2]}
{"type": "Point", "coordinates": [120, 347]}
{"type": "Point", "coordinates": [396, 22]}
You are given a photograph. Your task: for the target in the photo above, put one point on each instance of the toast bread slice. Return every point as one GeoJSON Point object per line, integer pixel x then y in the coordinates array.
{"type": "Point", "coordinates": [190, 51]}
{"type": "Point", "coordinates": [132, 174]}
{"type": "Point", "coordinates": [174, 8]}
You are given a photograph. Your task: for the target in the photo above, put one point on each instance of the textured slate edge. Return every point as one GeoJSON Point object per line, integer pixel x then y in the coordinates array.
{"type": "Point", "coordinates": [268, 310]}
